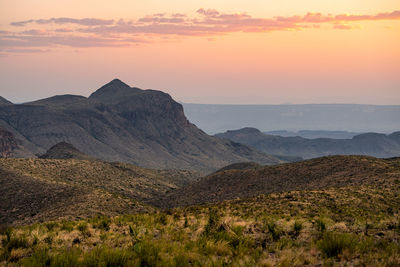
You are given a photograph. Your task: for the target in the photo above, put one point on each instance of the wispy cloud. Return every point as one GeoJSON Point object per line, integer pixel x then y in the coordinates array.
{"type": "Point", "coordinates": [84, 21]}
{"type": "Point", "coordinates": [95, 32]}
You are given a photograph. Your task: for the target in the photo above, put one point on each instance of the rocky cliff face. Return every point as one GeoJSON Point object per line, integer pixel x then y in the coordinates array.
{"type": "Point", "coordinates": [7, 143]}
{"type": "Point", "coordinates": [121, 123]}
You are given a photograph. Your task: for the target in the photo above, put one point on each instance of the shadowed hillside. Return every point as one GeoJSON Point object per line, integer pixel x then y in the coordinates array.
{"type": "Point", "coordinates": [43, 189]}
{"type": "Point", "coordinates": [124, 124]}
{"type": "Point", "coordinates": [64, 150]}
{"type": "Point", "coordinates": [326, 172]}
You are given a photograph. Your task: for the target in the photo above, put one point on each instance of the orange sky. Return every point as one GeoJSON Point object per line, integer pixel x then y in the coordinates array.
{"type": "Point", "coordinates": [243, 52]}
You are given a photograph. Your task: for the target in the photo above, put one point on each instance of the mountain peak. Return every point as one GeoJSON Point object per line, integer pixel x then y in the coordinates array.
{"type": "Point", "coordinates": [246, 130]}
{"type": "Point", "coordinates": [118, 83]}
{"type": "Point", "coordinates": [4, 101]}
{"type": "Point", "coordinates": [113, 90]}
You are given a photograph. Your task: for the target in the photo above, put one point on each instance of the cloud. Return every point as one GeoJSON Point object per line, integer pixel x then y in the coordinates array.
{"type": "Point", "coordinates": [97, 32]}
{"type": "Point", "coordinates": [84, 21]}
{"type": "Point", "coordinates": [208, 12]}
{"type": "Point", "coordinates": [343, 26]}
{"type": "Point", "coordinates": [17, 41]}
{"type": "Point", "coordinates": [26, 50]}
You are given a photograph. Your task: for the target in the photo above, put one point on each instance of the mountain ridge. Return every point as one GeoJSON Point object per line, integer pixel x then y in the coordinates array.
{"type": "Point", "coordinates": [372, 144]}
{"type": "Point", "coordinates": [126, 124]}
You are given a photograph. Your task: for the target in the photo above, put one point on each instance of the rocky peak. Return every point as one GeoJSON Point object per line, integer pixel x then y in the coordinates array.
{"type": "Point", "coordinates": [114, 91]}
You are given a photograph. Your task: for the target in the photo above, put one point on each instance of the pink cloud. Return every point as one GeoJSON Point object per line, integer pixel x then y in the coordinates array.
{"type": "Point", "coordinates": [95, 32]}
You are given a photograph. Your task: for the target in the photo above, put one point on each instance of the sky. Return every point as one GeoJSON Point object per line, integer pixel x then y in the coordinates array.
{"type": "Point", "coordinates": [216, 52]}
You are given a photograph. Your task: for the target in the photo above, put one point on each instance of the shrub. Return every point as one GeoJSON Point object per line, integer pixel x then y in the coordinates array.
{"type": "Point", "coordinates": [51, 225]}
{"type": "Point", "coordinates": [84, 229]}
{"type": "Point", "coordinates": [213, 221]}
{"type": "Point", "coordinates": [106, 257]}
{"type": "Point", "coordinates": [162, 219]}
{"type": "Point", "coordinates": [15, 242]}
{"type": "Point", "coordinates": [103, 223]}
{"type": "Point", "coordinates": [39, 258]}
{"type": "Point", "coordinates": [68, 258]}
{"type": "Point", "coordinates": [147, 253]}
{"type": "Point", "coordinates": [274, 231]}
{"type": "Point", "coordinates": [67, 226]}
{"type": "Point", "coordinates": [181, 260]}
{"type": "Point", "coordinates": [333, 244]}
{"type": "Point", "coordinates": [321, 225]}
{"type": "Point", "coordinates": [297, 228]}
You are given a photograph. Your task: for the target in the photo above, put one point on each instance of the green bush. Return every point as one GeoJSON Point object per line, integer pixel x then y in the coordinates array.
{"type": "Point", "coordinates": [51, 225]}
{"type": "Point", "coordinates": [67, 226]}
{"type": "Point", "coordinates": [147, 253]}
{"type": "Point", "coordinates": [297, 228]}
{"type": "Point", "coordinates": [15, 242]}
{"type": "Point", "coordinates": [67, 258]}
{"type": "Point", "coordinates": [84, 229]}
{"type": "Point", "coordinates": [38, 259]}
{"type": "Point", "coordinates": [333, 244]}
{"type": "Point", "coordinates": [274, 231]}
{"type": "Point", "coordinates": [213, 221]}
{"type": "Point", "coordinates": [106, 257]}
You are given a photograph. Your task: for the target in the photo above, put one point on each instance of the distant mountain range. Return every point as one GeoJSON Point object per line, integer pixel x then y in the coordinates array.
{"type": "Point", "coordinates": [119, 123]}
{"type": "Point", "coordinates": [372, 144]}
{"type": "Point", "coordinates": [326, 117]}
{"type": "Point", "coordinates": [313, 134]}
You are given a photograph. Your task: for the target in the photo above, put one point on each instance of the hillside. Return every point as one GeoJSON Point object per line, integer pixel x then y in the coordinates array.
{"type": "Point", "coordinates": [64, 150]}
{"type": "Point", "coordinates": [347, 226]}
{"type": "Point", "coordinates": [371, 144]}
{"type": "Point", "coordinates": [44, 189]}
{"type": "Point", "coordinates": [125, 124]}
{"type": "Point", "coordinates": [7, 143]}
{"type": "Point", "coordinates": [325, 172]}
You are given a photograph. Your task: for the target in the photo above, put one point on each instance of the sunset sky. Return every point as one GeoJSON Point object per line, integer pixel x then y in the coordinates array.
{"type": "Point", "coordinates": [227, 52]}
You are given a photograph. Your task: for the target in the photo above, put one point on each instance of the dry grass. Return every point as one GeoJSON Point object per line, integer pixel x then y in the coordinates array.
{"type": "Point", "coordinates": [268, 230]}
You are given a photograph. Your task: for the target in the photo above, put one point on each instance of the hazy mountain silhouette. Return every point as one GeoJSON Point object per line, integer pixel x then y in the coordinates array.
{"type": "Point", "coordinates": [372, 144]}
{"type": "Point", "coordinates": [120, 123]}
{"type": "Point", "coordinates": [313, 134]}
{"type": "Point", "coordinates": [359, 118]}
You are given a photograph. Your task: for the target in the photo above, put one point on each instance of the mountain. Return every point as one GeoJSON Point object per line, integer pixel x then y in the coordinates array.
{"type": "Point", "coordinates": [47, 189]}
{"type": "Point", "coordinates": [325, 172]}
{"type": "Point", "coordinates": [4, 101]}
{"type": "Point", "coordinates": [64, 150]}
{"type": "Point", "coordinates": [214, 118]}
{"type": "Point", "coordinates": [125, 124]}
{"type": "Point", "coordinates": [313, 134]}
{"type": "Point", "coordinates": [372, 144]}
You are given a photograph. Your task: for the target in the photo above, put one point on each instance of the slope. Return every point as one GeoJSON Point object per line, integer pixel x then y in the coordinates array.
{"type": "Point", "coordinates": [325, 172]}
{"type": "Point", "coordinates": [64, 150]}
{"type": "Point", "coordinates": [43, 189]}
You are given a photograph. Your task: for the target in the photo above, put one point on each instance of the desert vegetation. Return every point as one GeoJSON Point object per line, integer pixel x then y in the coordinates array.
{"type": "Point", "coordinates": [353, 225]}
